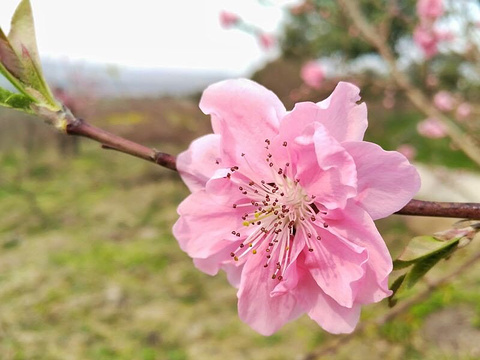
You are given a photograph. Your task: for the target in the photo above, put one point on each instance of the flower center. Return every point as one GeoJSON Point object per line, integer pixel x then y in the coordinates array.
{"type": "Point", "coordinates": [275, 213]}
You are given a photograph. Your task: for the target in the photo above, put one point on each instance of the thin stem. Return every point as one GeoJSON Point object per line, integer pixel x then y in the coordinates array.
{"type": "Point", "coordinates": [441, 209]}
{"type": "Point", "coordinates": [111, 141]}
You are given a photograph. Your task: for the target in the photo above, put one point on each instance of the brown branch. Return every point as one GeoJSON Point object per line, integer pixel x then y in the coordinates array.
{"type": "Point", "coordinates": [441, 209]}
{"type": "Point", "coordinates": [114, 142]}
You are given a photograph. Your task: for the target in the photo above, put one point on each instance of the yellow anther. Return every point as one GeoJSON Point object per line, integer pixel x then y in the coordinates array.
{"type": "Point", "coordinates": [246, 223]}
{"type": "Point", "coordinates": [254, 252]}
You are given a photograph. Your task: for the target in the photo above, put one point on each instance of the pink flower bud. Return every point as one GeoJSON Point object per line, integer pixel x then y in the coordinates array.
{"type": "Point", "coordinates": [408, 151]}
{"type": "Point", "coordinates": [228, 19]}
{"type": "Point", "coordinates": [464, 110]}
{"type": "Point", "coordinates": [267, 41]}
{"type": "Point", "coordinates": [426, 40]}
{"type": "Point", "coordinates": [312, 74]}
{"type": "Point", "coordinates": [430, 8]}
{"type": "Point", "coordinates": [444, 101]}
{"type": "Point", "coordinates": [432, 128]}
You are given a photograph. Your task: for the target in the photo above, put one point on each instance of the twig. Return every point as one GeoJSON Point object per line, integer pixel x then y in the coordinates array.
{"type": "Point", "coordinates": [441, 209]}
{"type": "Point", "coordinates": [111, 141]}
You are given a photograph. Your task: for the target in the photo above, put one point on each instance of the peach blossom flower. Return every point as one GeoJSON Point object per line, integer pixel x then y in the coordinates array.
{"type": "Point", "coordinates": [464, 110]}
{"type": "Point", "coordinates": [443, 101]}
{"type": "Point", "coordinates": [284, 202]}
{"type": "Point", "coordinates": [431, 9]}
{"type": "Point", "coordinates": [312, 74]}
{"type": "Point", "coordinates": [228, 19]}
{"type": "Point", "coordinates": [427, 40]}
{"type": "Point", "coordinates": [408, 151]}
{"type": "Point", "coordinates": [267, 41]}
{"type": "Point", "coordinates": [432, 128]}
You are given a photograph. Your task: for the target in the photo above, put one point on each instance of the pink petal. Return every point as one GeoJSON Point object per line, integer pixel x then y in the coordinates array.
{"type": "Point", "coordinates": [333, 317]}
{"type": "Point", "coordinates": [357, 227]}
{"type": "Point", "coordinates": [336, 265]}
{"type": "Point", "coordinates": [244, 113]}
{"type": "Point", "coordinates": [256, 306]}
{"type": "Point", "coordinates": [331, 175]}
{"type": "Point", "coordinates": [386, 180]}
{"type": "Point", "coordinates": [344, 119]}
{"type": "Point", "coordinates": [205, 225]}
{"type": "Point", "coordinates": [197, 164]}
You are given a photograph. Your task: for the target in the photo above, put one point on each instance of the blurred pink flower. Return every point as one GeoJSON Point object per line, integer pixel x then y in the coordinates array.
{"type": "Point", "coordinates": [432, 128]}
{"type": "Point", "coordinates": [426, 39]}
{"type": "Point", "coordinates": [267, 41]}
{"type": "Point", "coordinates": [284, 202]}
{"type": "Point", "coordinates": [228, 19]}
{"type": "Point", "coordinates": [464, 110]}
{"type": "Point", "coordinates": [443, 101]}
{"type": "Point", "coordinates": [312, 74]}
{"type": "Point", "coordinates": [430, 8]}
{"type": "Point", "coordinates": [408, 151]}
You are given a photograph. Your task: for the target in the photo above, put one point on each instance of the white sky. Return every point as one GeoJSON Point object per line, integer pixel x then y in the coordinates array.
{"type": "Point", "coordinates": [150, 33]}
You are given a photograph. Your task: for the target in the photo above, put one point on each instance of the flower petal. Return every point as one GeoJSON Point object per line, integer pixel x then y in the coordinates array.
{"type": "Point", "coordinates": [197, 164]}
{"type": "Point", "coordinates": [333, 317]}
{"type": "Point", "coordinates": [336, 265]}
{"type": "Point", "coordinates": [342, 116]}
{"type": "Point", "coordinates": [356, 226]}
{"type": "Point", "coordinates": [205, 225]}
{"type": "Point", "coordinates": [386, 180]}
{"type": "Point", "coordinates": [244, 113]}
{"type": "Point", "coordinates": [330, 174]}
{"type": "Point", "coordinates": [256, 306]}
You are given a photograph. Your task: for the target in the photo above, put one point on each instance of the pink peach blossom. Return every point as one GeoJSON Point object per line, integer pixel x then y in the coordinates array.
{"type": "Point", "coordinates": [267, 41]}
{"type": "Point", "coordinates": [431, 9]}
{"type": "Point", "coordinates": [464, 110]}
{"type": "Point", "coordinates": [284, 203]}
{"type": "Point", "coordinates": [432, 128]}
{"type": "Point", "coordinates": [312, 74]}
{"type": "Point", "coordinates": [408, 151]}
{"type": "Point", "coordinates": [426, 39]}
{"type": "Point", "coordinates": [443, 101]}
{"type": "Point", "coordinates": [228, 19]}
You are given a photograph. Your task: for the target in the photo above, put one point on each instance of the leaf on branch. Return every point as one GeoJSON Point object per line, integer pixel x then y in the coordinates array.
{"type": "Point", "coordinates": [15, 101]}
{"type": "Point", "coordinates": [20, 62]}
{"type": "Point", "coordinates": [424, 252]}
{"type": "Point", "coordinates": [8, 58]}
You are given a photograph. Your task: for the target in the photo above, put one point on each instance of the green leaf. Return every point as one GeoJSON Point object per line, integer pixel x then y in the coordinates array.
{"type": "Point", "coordinates": [426, 263]}
{"type": "Point", "coordinates": [421, 247]}
{"type": "Point", "coordinates": [22, 32]}
{"type": "Point", "coordinates": [15, 101]}
{"type": "Point", "coordinates": [423, 252]}
{"type": "Point", "coordinates": [20, 61]}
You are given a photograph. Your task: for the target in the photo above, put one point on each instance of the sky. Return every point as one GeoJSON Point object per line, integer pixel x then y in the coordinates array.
{"type": "Point", "coordinates": [183, 34]}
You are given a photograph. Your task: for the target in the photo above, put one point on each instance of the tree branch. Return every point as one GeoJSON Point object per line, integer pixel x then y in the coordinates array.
{"type": "Point", "coordinates": [113, 142]}
{"type": "Point", "coordinates": [441, 209]}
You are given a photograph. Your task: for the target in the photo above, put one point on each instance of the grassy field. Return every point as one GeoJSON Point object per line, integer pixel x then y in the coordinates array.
{"type": "Point", "coordinates": [89, 270]}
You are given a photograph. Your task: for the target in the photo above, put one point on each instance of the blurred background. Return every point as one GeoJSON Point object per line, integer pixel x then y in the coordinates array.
{"type": "Point", "coordinates": [89, 268]}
